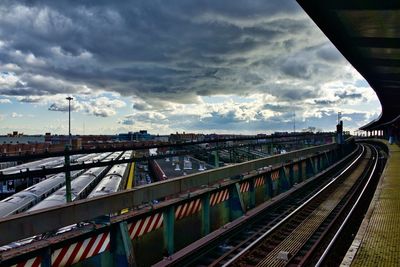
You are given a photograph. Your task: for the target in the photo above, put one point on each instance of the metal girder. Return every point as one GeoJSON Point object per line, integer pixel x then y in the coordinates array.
{"type": "Point", "coordinates": [29, 224]}
{"type": "Point", "coordinates": [137, 146]}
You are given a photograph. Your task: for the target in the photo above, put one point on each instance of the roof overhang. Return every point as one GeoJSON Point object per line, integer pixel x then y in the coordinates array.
{"type": "Point", "coordinates": [367, 33]}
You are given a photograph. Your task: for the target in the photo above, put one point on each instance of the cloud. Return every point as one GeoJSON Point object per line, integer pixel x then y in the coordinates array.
{"type": "Point", "coordinates": [16, 115]}
{"type": "Point", "coordinates": [5, 101]}
{"type": "Point", "coordinates": [99, 107]}
{"type": "Point", "coordinates": [348, 95]}
{"type": "Point", "coordinates": [166, 58]}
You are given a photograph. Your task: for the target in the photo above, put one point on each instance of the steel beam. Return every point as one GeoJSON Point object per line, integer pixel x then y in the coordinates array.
{"type": "Point", "coordinates": [205, 214]}
{"type": "Point", "coordinates": [24, 225]}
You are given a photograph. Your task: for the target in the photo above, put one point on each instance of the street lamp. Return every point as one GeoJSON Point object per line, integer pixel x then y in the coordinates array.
{"type": "Point", "coordinates": [69, 120]}
{"type": "Point", "coordinates": [67, 159]}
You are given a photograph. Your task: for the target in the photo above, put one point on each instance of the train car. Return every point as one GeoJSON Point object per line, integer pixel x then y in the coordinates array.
{"type": "Point", "coordinates": [113, 179]}
{"type": "Point", "coordinates": [11, 186]}
{"type": "Point", "coordinates": [29, 197]}
{"type": "Point", "coordinates": [80, 186]}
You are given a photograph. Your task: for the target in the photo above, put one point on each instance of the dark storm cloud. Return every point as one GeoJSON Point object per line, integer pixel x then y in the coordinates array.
{"type": "Point", "coordinates": [324, 102]}
{"type": "Point", "coordinates": [348, 95]}
{"type": "Point", "coordinates": [172, 51]}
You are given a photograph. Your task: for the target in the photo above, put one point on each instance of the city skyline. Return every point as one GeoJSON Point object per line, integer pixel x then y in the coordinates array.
{"type": "Point", "coordinates": [206, 67]}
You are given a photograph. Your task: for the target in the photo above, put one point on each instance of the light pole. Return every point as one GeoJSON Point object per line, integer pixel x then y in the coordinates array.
{"type": "Point", "coordinates": [69, 121]}
{"type": "Point", "coordinates": [67, 159]}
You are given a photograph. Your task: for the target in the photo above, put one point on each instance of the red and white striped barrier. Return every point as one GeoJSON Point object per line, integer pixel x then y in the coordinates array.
{"type": "Point", "coordinates": [187, 209]}
{"type": "Point", "coordinates": [145, 225]}
{"type": "Point", "coordinates": [219, 197]}
{"type": "Point", "coordinates": [259, 182]}
{"type": "Point", "coordinates": [275, 175]}
{"type": "Point", "coordinates": [244, 187]}
{"type": "Point", "coordinates": [34, 262]}
{"type": "Point", "coordinates": [81, 250]}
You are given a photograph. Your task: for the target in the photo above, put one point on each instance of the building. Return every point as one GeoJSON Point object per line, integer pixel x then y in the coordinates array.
{"type": "Point", "coordinates": [20, 138]}
{"type": "Point", "coordinates": [142, 135]}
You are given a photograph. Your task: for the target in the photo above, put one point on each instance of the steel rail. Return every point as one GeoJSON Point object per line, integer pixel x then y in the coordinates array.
{"type": "Point", "coordinates": [179, 257]}
{"type": "Point", "coordinates": [249, 247]}
{"type": "Point", "coordinates": [333, 240]}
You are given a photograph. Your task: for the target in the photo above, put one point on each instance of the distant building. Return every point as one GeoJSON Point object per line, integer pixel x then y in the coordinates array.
{"type": "Point", "coordinates": [20, 138]}
{"type": "Point", "coordinates": [142, 135]}
{"type": "Point", "coordinates": [186, 137]}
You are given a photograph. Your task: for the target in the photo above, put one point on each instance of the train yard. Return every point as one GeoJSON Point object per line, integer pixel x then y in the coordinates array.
{"type": "Point", "coordinates": [297, 229]}
{"type": "Point", "coordinates": [301, 208]}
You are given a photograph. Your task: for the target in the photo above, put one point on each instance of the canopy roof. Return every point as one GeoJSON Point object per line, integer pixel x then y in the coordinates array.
{"type": "Point", "coordinates": [367, 33]}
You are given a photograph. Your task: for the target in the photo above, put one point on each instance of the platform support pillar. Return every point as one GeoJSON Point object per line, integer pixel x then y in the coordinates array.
{"type": "Point", "coordinates": [236, 205]}
{"type": "Point", "coordinates": [121, 245]}
{"type": "Point", "coordinates": [169, 221]}
{"type": "Point", "coordinates": [205, 214]}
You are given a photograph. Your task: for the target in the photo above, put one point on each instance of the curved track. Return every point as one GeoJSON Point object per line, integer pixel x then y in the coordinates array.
{"type": "Point", "coordinates": [289, 232]}
{"type": "Point", "coordinates": [292, 240]}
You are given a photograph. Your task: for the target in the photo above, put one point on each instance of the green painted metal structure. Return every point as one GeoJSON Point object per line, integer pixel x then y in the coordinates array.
{"type": "Point", "coordinates": [144, 236]}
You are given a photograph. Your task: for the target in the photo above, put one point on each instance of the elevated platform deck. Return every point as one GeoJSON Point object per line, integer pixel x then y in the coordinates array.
{"type": "Point", "coordinates": [378, 240]}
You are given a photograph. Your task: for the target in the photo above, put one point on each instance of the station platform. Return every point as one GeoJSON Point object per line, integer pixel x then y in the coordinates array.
{"type": "Point", "coordinates": [377, 242]}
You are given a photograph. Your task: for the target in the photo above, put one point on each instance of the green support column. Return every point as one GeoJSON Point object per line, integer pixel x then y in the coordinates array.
{"type": "Point", "coordinates": [327, 161]}
{"type": "Point", "coordinates": [283, 180]}
{"type": "Point", "coordinates": [121, 245]}
{"type": "Point", "coordinates": [268, 185]}
{"type": "Point", "coordinates": [291, 175]}
{"type": "Point", "coordinates": [169, 221]}
{"type": "Point", "coordinates": [320, 163]}
{"type": "Point", "coordinates": [67, 175]}
{"type": "Point", "coordinates": [300, 171]}
{"type": "Point", "coordinates": [310, 170]}
{"type": "Point", "coordinates": [236, 205]}
{"type": "Point", "coordinates": [252, 194]}
{"type": "Point", "coordinates": [46, 258]}
{"type": "Point", "coordinates": [216, 158]}
{"type": "Point", "coordinates": [205, 214]}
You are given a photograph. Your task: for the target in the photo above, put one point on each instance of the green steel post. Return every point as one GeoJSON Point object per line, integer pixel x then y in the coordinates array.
{"type": "Point", "coordinates": [169, 221]}
{"type": "Point", "coordinates": [236, 205]}
{"type": "Point", "coordinates": [205, 214]}
{"type": "Point", "coordinates": [121, 245]}
{"type": "Point", "coordinates": [327, 162]}
{"type": "Point", "coordinates": [252, 193]}
{"type": "Point", "coordinates": [46, 257]}
{"type": "Point", "coordinates": [320, 162]}
{"type": "Point", "coordinates": [67, 175]}
{"type": "Point", "coordinates": [310, 170]}
{"type": "Point", "coordinates": [291, 175]}
{"type": "Point", "coordinates": [300, 171]}
{"type": "Point", "coordinates": [216, 158]}
{"type": "Point", "coordinates": [283, 180]}
{"type": "Point", "coordinates": [269, 192]}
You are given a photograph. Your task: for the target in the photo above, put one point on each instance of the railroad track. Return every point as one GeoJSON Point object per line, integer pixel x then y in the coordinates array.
{"type": "Point", "coordinates": [219, 250]}
{"type": "Point", "coordinates": [294, 240]}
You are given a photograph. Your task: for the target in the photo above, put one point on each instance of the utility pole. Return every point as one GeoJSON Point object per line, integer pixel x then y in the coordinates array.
{"type": "Point", "coordinates": [294, 121]}
{"type": "Point", "coordinates": [67, 159]}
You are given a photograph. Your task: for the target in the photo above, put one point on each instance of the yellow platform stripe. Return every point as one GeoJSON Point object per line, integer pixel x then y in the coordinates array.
{"type": "Point", "coordinates": [131, 180]}
{"type": "Point", "coordinates": [129, 184]}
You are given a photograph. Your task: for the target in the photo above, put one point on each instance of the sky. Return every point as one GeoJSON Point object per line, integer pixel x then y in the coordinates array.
{"type": "Point", "coordinates": [243, 67]}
